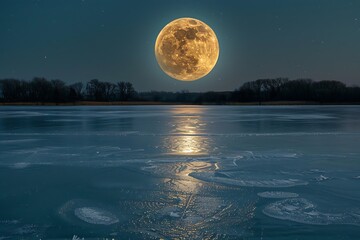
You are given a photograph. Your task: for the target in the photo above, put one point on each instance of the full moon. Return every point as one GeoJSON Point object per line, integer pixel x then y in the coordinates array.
{"type": "Point", "coordinates": [187, 49]}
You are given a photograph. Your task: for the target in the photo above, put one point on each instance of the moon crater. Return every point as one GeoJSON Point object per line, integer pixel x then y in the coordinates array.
{"type": "Point", "coordinates": [187, 49]}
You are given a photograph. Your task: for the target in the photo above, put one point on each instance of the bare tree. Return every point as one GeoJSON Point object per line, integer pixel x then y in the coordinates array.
{"type": "Point", "coordinates": [121, 91]}
{"type": "Point", "coordinates": [109, 91]}
{"type": "Point", "coordinates": [75, 92]}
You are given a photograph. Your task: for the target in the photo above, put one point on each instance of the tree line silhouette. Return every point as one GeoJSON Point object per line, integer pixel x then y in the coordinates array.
{"type": "Point", "coordinates": [283, 89]}
{"type": "Point", "coordinates": [259, 91]}
{"type": "Point", "coordinates": [43, 90]}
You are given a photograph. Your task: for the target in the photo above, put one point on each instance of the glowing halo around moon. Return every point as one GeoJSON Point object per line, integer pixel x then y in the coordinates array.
{"type": "Point", "coordinates": [187, 49]}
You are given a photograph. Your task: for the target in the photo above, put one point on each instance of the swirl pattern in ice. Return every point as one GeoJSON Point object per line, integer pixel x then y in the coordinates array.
{"type": "Point", "coordinates": [269, 183]}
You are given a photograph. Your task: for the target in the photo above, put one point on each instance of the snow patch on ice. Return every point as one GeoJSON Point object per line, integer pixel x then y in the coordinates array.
{"type": "Point", "coordinates": [20, 165]}
{"type": "Point", "coordinates": [19, 141]}
{"type": "Point", "coordinates": [303, 211]}
{"type": "Point", "coordinates": [78, 211]}
{"type": "Point", "coordinates": [174, 214]}
{"type": "Point", "coordinates": [9, 221]}
{"type": "Point", "coordinates": [321, 178]}
{"type": "Point", "coordinates": [272, 194]}
{"type": "Point", "coordinates": [95, 216]}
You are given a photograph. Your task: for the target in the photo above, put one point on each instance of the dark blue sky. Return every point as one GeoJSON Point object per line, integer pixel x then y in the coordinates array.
{"type": "Point", "coordinates": [113, 40]}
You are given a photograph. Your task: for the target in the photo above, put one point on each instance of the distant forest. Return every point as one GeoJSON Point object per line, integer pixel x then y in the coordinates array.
{"type": "Point", "coordinates": [41, 90]}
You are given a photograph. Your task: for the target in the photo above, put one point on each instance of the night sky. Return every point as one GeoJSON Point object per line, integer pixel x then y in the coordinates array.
{"type": "Point", "coordinates": [113, 40]}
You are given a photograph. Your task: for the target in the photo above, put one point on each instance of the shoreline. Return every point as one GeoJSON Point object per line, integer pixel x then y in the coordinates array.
{"type": "Point", "coordinates": [149, 103]}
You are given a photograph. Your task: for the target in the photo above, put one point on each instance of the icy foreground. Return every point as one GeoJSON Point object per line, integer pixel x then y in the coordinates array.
{"type": "Point", "coordinates": [179, 172]}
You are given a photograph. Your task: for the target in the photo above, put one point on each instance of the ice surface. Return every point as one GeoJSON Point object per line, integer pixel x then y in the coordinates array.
{"type": "Point", "coordinates": [308, 117]}
{"type": "Point", "coordinates": [179, 172]}
{"type": "Point", "coordinates": [17, 229]}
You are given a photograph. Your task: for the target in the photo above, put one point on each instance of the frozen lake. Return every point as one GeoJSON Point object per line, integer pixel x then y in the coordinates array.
{"type": "Point", "coordinates": [186, 172]}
